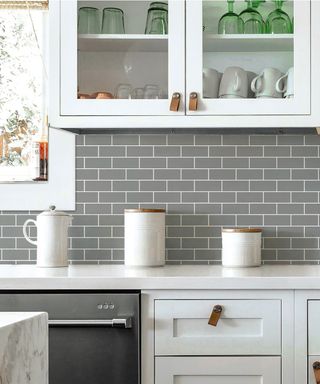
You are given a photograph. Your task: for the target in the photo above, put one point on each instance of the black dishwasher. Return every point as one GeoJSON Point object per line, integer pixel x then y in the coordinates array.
{"type": "Point", "coordinates": [94, 337]}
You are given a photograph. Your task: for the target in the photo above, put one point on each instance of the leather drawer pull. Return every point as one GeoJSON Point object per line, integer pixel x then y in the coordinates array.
{"type": "Point", "coordinates": [193, 101]}
{"type": "Point", "coordinates": [215, 316]}
{"type": "Point", "coordinates": [316, 371]}
{"type": "Point", "coordinates": [175, 102]}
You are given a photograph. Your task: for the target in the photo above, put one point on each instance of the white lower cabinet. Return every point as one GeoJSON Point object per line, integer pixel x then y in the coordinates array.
{"type": "Point", "coordinates": [217, 370]}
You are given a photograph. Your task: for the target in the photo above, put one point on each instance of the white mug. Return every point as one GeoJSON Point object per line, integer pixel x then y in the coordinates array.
{"type": "Point", "coordinates": [251, 76]}
{"type": "Point", "coordinates": [234, 83]}
{"type": "Point", "coordinates": [264, 85]}
{"type": "Point", "coordinates": [211, 83]}
{"type": "Point", "coordinates": [285, 84]}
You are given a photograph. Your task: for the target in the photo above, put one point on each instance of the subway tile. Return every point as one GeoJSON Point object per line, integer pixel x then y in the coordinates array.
{"type": "Point", "coordinates": [152, 185]}
{"type": "Point", "coordinates": [207, 140]}
{"type": "Point", "coordinates": [97, 254]}
{"type": "Point", "coordinates": [277, 219]}
{"type": "Point", "coordinates": [199, 174]}
{"type": "Point", "coordinates": [290, 231]}
{"type": "Point", "coordinates": [222, 174]}
{"type": "Point", "coordinates": [304, 174]}
{"type": "Point", "coordinates": [84, 243]}
{"type": "Point", "coordinates": [268, 254]}
{"type": "Point", "coordinates": [195, 151]}
{"type": "Point", "coordinates": [112, 174]}
{"type": "Point", "coordinates": [112, 151]}
{"type": "Point", "coordinates": [128, 162]}
{"type": "Point", "coordinates": [195, 220]}
{"type": "Point", "coordinates": [195, 243]}
{"type": "Point", "coordinates": [235, 140]}
{"type": "Point", "coordinates": [85, 220]}
{"type": "Point", "coordinates": [79, 163]}
{"type": "Point", "coordinates": [305, 151]}
{"type": "Point", "coordinates": [312, 186]}
{"type": "Point", "coordinates": [87, 174]}
{"type": "Point", "coordinates": [141, 197]}
{"type": "Point", "coordinates": [249, 151]}
{"type": "Point", "coordinates": [290, 254]}
{"type": "Point", "coordinates": [97, 140]}
{"type": "Point", "coordinates": [125, 139]}
{"type": "Point", "coordinates": [303, 242]}
{"type": "Point", "coordinates": [235, 185]}
{"type": "Point", "coordinates": [249, 174]}
{"type": "Point", "coordinates": [87, 151]}
{"type": "Point", "coordinates": [125, 185]}
{"type": "Point", "coordinates": [97, 209]}
{"type": "Point", "coordinates": [111, 243]}
{"type": "Point", "coordinates": [228, 162]}
{"type": "Point", "coordinates": [97, 186]}
{"type": "Point", "coordinates": [311, 232]}
{"type": "Point", "coordinates": [277, 243]}
{"type": "Point", "coordinates": [153, 162]}
{"type": "Point", "coordinates": [180, 254]}
{"type": "Point", "coordinates": [312, 209]}
{"type": "Point", "coordinates": [140, 174]}
{"type": "Point", "coordinates": [222, 197]}
{"type": "Point", "coordinates": [312, 163]}
{"type": "Point", "coordinates": [176, 162]}
{"type": "Point", "coordinates": [180, 232]}
{"type": "Point", "coordinates": [111, 220]}
{"type": "Point", "coordinates": [97, 232]}
{"type": "Point", "coordinates": [164, 174]}
{"type": "Point", "coordinates": [263, 140]}
{"type": "Point", "coordinates": [256, 162]}
{"type": "Point", "coordinates": [15, 254]}
{"type": "Point", "coordinates": [250, 220]}
{"type": "Point", "coordinates": [262, 185]}
{"type": "Point", "coordinates": [112, 197]}
{"type": "Point", "coordinates": [118, 232]}
{"type": "Point", "coordinates": [153, 140]}
{"type": "Point", "coordinates": [276, 174]}
{"type": "Point", "coordinates": [277, 197]}
{"type": "Point", "coordinates": [97, 162]}
{"type": "Point", "coordinates": [207, 254]}
{"type": "Point", "coordinates": [249, 197]}
{"type": "Point", "coordinates": [172, 219]}
{"type": "Point", "coordinates": [207, 208]}
{"type": "Point", "coordinates": [180, 139]}
{"type": "Point", "coordinates": [7, 219]}
{"type": "Point", "coordinates": [173, 243]}
{"type": "Point", "coordinates": [10, 243]}
{"type": "Point", "coordinates": [139, 151]}
{"type": "Point", "coordinates": [290, 186]}
{"type": "Point", "coordinates": [12, 231]}
{"type": "Point", "coordinates": [263, 208]}
{"type": "Point", "coordinates": [180, 208]}
{"type": "Point", "coordinates": [207, 185]}
{"type": "Point", "coordinates": [167, 197]}
{"type": "Point", "coordinates": [195, 197]}
{"type": "Point", "coordinates": [222, 220]}
{"type": "Point", "coordinates": [312, 254]}
{"type": "Point", "coordinates": [182, 185]}
{"type": "Point", "coordinates": [290, 208]}
{"type": "Point", "coordinates": [273, 151]}
{"type": "Point", "coordinates": [305, 220]}
{"type": "Point", "coordinates": [166, 151]}
{"type": "Point", "coordinates": [87, 197]}
{"type": "Point", "coordinates": [290, 140]}
{"type": "Point", "coordinates": [290, 162]}
{"type": "Point", "coordinates": [208, 163]}
{"type": "Point", "coordinates": [207, 232]}
{"type": "Point", "coordinates": [304, 197]}
{"type": "Point", "coordinates": [222, 151]}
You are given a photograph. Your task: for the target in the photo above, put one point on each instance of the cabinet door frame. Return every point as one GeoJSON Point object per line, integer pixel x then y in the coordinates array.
{"type": "Point", "coordinates": [70, 105]}
{"type": "Point", "coordinates": [166, 368]}
{"type": "Point", "coordinates": [299, 105]}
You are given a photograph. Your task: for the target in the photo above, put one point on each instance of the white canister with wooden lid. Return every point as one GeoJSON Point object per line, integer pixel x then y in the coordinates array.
{"type": "Point", "coordinates": [145, 237]}
{"type": "Point", "coordinates": [241, 247]}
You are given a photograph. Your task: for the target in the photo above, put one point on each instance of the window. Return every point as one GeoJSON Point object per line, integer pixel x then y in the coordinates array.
{"type": "Point", "coordinates": [23, 75]}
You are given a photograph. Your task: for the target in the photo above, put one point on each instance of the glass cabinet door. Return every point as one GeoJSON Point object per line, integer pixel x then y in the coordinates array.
{"type": "Point", "coordinates": [248, 57]}
{"type": "Point", "coordinates": [121, 57]}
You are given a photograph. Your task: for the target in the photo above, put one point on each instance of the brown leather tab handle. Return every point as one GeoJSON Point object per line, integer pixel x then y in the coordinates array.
{"type": "Point", "coordinates": [316, 371]}
{"type": "Point", "coordinates": [175, 102]}
{"type": "Point", "coordinates": [193, 101]}
{"type": "Point", "coordinates": [215, 316]}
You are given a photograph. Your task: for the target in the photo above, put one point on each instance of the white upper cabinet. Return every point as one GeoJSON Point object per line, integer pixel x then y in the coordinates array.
{"type": "Point", "coordinates": [109, 69]}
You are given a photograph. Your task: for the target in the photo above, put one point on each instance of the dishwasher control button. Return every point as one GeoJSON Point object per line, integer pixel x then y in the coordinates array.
{"type": "Point", "coordinates": [99, 306]}
{"type": "Point", "coordinates": [111, 306]}
{"type": "Point", "coordinates": [106, 306]}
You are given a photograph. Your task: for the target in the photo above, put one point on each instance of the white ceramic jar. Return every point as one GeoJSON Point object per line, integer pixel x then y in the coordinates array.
{"type": "Point", "coordinates": [52, 237]}
{"type": "Point", "coordinates": [241, 247]}
{"type": "Point", "coordinates": [144, 237]}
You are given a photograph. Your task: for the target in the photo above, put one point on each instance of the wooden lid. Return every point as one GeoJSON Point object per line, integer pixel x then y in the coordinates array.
{"type": "Point", "coordinates": [144, 210]}
{"type": "Point", "coordinates": [242, 230]}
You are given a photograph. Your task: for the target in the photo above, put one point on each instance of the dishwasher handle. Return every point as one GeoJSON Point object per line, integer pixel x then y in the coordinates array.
{"type": "Point", "coordinates": [110, 323]}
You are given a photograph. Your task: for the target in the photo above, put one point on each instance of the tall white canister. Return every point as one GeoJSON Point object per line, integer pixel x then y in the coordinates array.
{"type": "Point", "coordinates": [241, 247]}
{"type": "Point", "coordinates": [144, 237]}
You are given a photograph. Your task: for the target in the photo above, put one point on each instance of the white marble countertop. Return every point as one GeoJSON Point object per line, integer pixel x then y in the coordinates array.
{"type": "Point", "coordinates": [10, 318]}
{"type": "Point", "coordinates": [24, 277]}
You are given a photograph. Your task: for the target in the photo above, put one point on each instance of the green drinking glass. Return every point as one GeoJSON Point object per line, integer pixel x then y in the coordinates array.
{"type": "Point", "coordinates": [278, 21]}
{"type": "Point", "coordinates": [157, 21]}
{"type": "Point", "coordinates": [230, 22]}
{"type": "Point", "coordinates": [88, 20]}
{"type": "Point", "coordinates": [112, 21]}
{"type": "Point", "coordinates": [253, 21]}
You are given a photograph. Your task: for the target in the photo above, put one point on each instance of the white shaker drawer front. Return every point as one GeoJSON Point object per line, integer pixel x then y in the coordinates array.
{"type": "Point", "coordinates": [246, 327]}
{"type": "Point", "coordinates": [314, 327]}
{"type": "Point", "coordinates": [314, 369]}
{"type": "Point", "coordinates": [218, 370]}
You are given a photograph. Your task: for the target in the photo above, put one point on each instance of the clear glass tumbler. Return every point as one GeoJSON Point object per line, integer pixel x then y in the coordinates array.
{"type": "Point", "coordinates": [278, 21]}
{"type": "Point", "coordinates": [123, 91]}
{"type": "Point", "coordinates": [88, 20]}
{"type": "Point", "coordinates": [152, 91]}
{"type": "Point", "coordinates": [157, 21]}
{"type": "Point", "coordinates": [137, 93]}
{"type": "Point", "coordinates": [112, 21]}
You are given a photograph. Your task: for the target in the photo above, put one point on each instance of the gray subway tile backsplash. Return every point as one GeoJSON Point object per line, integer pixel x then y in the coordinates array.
{"type": "Point", "coordinates": [203, 181]}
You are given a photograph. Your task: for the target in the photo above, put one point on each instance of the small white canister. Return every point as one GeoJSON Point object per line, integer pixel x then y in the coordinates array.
{"type": "Point", "coordinates": [241, 247]}
{"type": "Point", "coordinates": [145, 237]}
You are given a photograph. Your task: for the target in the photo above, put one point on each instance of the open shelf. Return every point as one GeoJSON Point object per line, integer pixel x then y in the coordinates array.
{"type": "Point", "coordinates": [123, 43]}
{"type": "Point", "coordinates": [247, 43]}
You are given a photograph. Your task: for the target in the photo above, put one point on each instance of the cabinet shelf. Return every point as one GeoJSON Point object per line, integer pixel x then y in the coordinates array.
{"type": "Point", "coordinates": [247, 43]}
{"type": "Point", "coordinates": [123, 43]}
